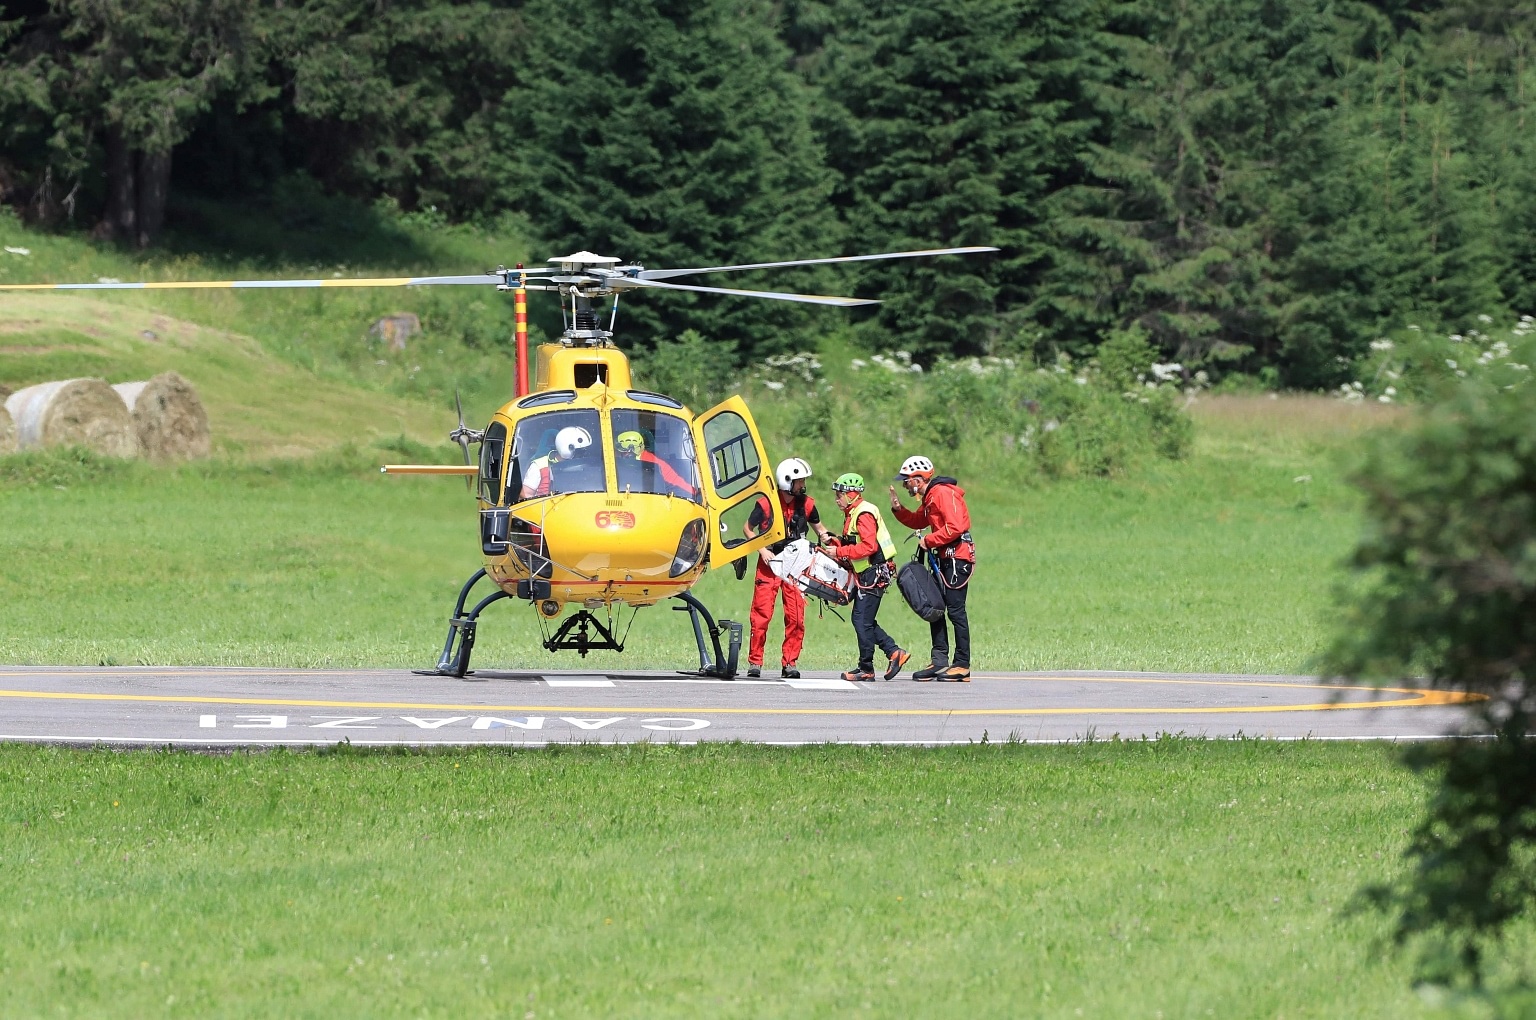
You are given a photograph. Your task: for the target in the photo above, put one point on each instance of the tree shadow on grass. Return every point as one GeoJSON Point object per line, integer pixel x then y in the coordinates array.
{"type": "Point", "coordinates": [294, 223]}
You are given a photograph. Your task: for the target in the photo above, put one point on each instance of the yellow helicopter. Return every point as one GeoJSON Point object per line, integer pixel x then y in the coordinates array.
{"type": "Point", "coordinates": [592, 492]}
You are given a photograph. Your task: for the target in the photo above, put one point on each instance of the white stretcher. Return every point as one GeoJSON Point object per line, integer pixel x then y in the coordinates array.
{"type": "Point", "coordinates": [814, 572]}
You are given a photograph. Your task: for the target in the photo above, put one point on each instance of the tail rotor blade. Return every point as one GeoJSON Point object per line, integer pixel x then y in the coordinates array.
{"type": "Point", "coordinates": [461, 434]}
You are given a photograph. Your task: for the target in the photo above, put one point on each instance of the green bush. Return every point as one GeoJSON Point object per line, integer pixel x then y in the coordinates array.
{"type": "Point", "coordinates": [697, 371]}
{"type": "Point", "coordinates": [1445, 588]}
{"type": "Point", "coordinates": [1000, 416]}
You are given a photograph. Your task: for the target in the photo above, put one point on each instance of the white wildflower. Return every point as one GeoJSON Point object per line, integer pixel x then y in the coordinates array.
{"type": "Point", "coordinates": [1168, 372]}
{"type": "Point", "coordinates": [1081, 380]}
{"type": "Point", "coordinates": [18, 251]}
{"type": "Point", "coordinates": [1384, 399]}
{"type": "Point", "coordinates": [1052, 425]}
{"type": "Point", "coordinates": [1382, 345]}
{"type": "Point", "coordinates": [1414, 328]}
{"type": "Point", "coordinates": [1485, 318]}
{"type": "Point", "coordinates": [1391, 391]}
{"type": "Point", "coordinates": [1457, 338]}
{"type": "Point", "coordinates": [773, 384]}
{"type": "Point", "coordinates": [857, 363]}
{"type": "Point", "coordinates": [1449, 363]}
{"type": "Point", "coordinates": [1202, 377]}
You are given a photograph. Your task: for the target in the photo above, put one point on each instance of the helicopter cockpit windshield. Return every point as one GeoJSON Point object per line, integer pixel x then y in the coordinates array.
{"type": "Point", "coordinates": [556, 452]}
{"type": "Point", "coordinates": [654, 453]}
{"type": "Point", "coordinates": [563, 451]}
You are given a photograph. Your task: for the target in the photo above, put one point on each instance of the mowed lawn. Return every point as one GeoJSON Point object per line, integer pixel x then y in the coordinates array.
{"type": "Point", "coordinates": [1223, 561]}
{"type": "Point", "coordinates": [1165, 879]}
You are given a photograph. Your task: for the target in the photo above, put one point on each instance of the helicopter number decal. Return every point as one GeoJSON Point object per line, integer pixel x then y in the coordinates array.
{"type": "Point", "coordinates": [614, 519]}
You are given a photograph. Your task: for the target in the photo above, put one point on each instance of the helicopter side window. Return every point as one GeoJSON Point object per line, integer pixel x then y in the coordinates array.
{"type": "Point", "coordinates": [491, 450]}
{"type": "Point", "coordinates": [732, 454]}
{"type": "Point", "coordinates": [653, 452]}
{"type": "Point", "coordinates": [555, 452]}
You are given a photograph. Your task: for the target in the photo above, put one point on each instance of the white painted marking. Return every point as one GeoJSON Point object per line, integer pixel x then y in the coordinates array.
{"type": "Point", "coordinates": [579, 681]}
{"type": "Point", "coordinates": [345, 722]}
{"type": "Point", "coordinates": [208, 722]}
{"type": "Point", "coordinates": [262, 722]}
{"type": "Point", "coordinates": [667, 723]}
{"type": "Point", "coordinates": [487, 722]}
{"type": "Point", "coordinates": [739, 681]}
{"type": "Point", "coordinates": [433, 724]}
{"type": "Point", "coordinates": [830, 684]}
{"type": "Point", "coordinates": [590, 724]}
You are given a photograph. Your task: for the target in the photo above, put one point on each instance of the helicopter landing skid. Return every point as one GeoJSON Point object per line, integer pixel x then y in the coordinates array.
{"type": "Point", "coordinates": [461, 632]}
{"type": "Point", "coordinates": [721, 666]}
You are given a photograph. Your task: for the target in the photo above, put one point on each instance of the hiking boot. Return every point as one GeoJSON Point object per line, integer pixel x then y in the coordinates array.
{"type": "Point", "coordinates": [790, 673]}
{"type": "Point", "coordinates": [754, 672]}
{"type": "Point", "coordinates": [858, 675]}
{"type": "Point", "coordinates": [899, 658]}
{"type": "Point", "coordinates": [956, 675]}
{"type": "Point", "coordinates": [928, 672]}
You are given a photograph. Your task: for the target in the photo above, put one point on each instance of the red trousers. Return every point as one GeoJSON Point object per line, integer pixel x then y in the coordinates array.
{"type": "Point", "coordinates": [765, 589]}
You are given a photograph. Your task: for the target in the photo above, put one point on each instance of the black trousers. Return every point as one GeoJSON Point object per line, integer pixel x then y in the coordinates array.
{"type": "Point", "coordinates": [954, 572]}
{"type": "Point", "coordinates": [866, 603]}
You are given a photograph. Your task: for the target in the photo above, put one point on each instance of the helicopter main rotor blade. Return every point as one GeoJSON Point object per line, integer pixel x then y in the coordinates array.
{"type": "Point", "coordinates": [626, 282]}
{"type": "Point", "coordinates": [391, 281]}
{"type": "Point", "coordinates": [664, 274]}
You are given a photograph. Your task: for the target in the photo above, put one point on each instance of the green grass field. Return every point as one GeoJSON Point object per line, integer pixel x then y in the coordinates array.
{"type": "Point", "coordinates": [1167, 879]}
{"type": "Point", "coordinates": [1219, 562]}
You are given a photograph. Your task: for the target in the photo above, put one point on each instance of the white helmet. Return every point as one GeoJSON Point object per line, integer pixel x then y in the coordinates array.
{"type": "Point", "coordinates": [916, 466]}
{"type": "Point", "coordinates": [570, 439]}
{"type": "Point", "coordinates": [789, 470]}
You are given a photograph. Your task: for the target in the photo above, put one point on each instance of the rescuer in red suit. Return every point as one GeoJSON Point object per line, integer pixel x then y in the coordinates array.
{"type": "Point", "coordinates": [942, 510]}
{"type": "Point", "coordinates": [800, 518]}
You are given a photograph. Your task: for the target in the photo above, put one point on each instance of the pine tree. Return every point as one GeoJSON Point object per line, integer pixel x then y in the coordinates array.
{"type": "Point", "coordinates": [123, 83]}
{"type": "Point", "coordinates": [950, 125]}
{"type": "Point", "coordinates": [675, 134]}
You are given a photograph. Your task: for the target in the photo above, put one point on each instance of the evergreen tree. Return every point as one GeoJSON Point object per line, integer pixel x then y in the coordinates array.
{"type": "Point", "coordinates": [950, 125]}
{"type": "Point", "coordinates": [103, 82]}
{"type": "Point", "coordinates": [675, 134]}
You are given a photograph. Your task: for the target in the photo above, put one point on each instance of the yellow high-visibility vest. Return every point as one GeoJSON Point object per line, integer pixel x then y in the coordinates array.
{"type": "Point", "coordinates": [882, 534]}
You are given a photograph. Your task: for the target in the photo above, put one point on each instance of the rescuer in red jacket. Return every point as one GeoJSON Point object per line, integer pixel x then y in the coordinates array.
{"type": "Point", "coordinates": [941, 508]}
{"type": "Point", "coordinates": [800, 518]}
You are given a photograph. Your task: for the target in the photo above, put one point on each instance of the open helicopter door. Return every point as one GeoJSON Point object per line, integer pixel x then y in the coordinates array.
{"type": "Point", "coordinates": [737, 481]}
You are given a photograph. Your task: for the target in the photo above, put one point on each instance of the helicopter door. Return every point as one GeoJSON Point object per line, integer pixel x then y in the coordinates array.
{"type": "Point", "coordinates": [738, 483]}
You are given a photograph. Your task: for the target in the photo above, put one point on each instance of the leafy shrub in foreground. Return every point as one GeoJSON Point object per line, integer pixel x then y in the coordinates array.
{"type": "Point", "coordinates": [1445, 587]}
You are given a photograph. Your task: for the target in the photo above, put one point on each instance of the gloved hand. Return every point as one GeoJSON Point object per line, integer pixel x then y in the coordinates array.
{"type": "Point", "coordinates": [741, 568]}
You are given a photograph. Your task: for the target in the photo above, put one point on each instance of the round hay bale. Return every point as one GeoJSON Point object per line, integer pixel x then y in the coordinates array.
{"type": "Point", "coordinates": [7, 432]}
{"type": "Point", "coordinates": [168, 417]}
{"type": "Point", "coordinates": [73, 412]}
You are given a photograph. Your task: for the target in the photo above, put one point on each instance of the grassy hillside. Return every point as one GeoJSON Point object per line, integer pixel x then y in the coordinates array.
{"type": "Point", "coordinates": [284, 371]}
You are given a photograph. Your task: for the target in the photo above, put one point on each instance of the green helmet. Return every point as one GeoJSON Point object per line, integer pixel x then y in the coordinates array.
{"type": "Point", "coordinates": [849, 482]}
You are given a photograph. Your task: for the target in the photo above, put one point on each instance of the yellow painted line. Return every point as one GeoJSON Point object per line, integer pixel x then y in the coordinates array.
{"type": "Point", "coordinates": [1419, 698]}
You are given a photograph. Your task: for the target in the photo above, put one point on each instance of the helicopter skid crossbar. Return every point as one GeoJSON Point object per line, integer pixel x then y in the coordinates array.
{"type": "Point", "coordinates": [461, 631]}
{"type": "Point", "coordinates": [583, 641]}
{"type": "Point", "coordinates": [721, 665]}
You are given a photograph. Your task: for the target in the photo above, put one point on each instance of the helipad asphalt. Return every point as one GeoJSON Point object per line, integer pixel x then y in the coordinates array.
{"type": "Point", "coordinates": [227, 707]}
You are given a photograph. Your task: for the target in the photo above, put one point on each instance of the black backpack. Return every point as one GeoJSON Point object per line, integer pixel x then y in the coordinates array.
{"type": "Point", "coordinates": [921, 591]}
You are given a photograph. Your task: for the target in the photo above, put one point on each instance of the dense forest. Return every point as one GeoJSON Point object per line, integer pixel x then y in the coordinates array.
{"type": "Point", "coordinates": [1259, 186]}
